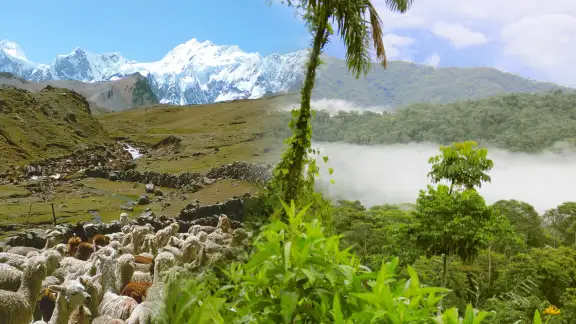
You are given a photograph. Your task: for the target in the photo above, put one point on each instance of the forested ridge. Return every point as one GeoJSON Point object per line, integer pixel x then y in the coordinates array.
{"type": "Point", "coordinates": [515, 122]}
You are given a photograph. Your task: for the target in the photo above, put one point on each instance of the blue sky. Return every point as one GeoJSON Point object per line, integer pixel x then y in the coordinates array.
{"type": "Point", "coordinates": [535, 39]}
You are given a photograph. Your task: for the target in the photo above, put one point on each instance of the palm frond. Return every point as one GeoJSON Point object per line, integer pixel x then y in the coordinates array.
{"type": "Point", "coordinates": [399, 5]}
{"type": "Point", "coordinates": [377, 34]}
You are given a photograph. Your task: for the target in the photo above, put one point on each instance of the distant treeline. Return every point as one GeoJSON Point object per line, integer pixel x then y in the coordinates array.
{"type": "Point", "coordinates": [516, 122]}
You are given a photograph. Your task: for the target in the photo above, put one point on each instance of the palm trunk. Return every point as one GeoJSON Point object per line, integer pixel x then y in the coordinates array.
{"type": "Point", "coordinates": [302, 140]}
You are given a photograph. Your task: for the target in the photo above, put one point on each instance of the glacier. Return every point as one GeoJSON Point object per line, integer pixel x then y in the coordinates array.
{"type": "Point", "coordinates": [191, 73]}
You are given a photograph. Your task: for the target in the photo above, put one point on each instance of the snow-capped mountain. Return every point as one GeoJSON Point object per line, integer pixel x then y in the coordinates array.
{"type": "Point", "coordinates": [191, 73]}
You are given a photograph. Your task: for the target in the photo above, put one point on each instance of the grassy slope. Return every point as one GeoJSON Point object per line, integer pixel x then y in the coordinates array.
{"type": "Point", "coordinates": [39, 125]}
{"type": "Point", "coordinates": [241, 130]}
{"type": "Point", "coordinates": [405, 83]}
{"type": "Point", "coordinates": [131, 91]}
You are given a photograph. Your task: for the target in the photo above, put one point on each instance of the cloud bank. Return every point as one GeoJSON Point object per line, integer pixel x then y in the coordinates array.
{"type": "Point", "coordinates": [531, 37]}
{"type": "Point", "coordinates": [333, 106]}
{"type": "Point", "coordinates": [395, 173]}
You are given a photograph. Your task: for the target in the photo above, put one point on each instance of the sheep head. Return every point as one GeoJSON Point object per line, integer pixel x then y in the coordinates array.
{"type": "Point", "coordinates": [174, 227]}
{"type": "Point", "coordinates": [74, 293]}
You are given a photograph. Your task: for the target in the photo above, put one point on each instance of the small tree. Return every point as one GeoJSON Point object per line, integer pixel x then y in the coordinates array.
{"type": "Point", "coordinates": [462, 165]}
{"type": "Point", "coordinates": [456, 222]}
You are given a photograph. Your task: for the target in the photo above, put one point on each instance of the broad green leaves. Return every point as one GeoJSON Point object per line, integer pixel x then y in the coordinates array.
{"type": "Point", "coordinates": [462, 165]}
{"type": "Point", "coordinates": [298, 275]}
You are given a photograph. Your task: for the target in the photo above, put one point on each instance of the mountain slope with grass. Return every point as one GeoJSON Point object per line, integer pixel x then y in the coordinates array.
{"type": "Point", "coordinates": [404, 83]}
{"type": "Point", "coordinates": [51, 122]}
{"type": "Point", "coordinates": [128, 92]}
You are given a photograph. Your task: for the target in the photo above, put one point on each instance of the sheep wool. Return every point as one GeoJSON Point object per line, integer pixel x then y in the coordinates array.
{"type": "Point", "coordinates": [17, 307]}
{"type": "Point", "coordinates": [84, 251]}
{"type": "Point", "coordinates": [73, 244]}
{"type": "Point", "coordinates": [136, 290]}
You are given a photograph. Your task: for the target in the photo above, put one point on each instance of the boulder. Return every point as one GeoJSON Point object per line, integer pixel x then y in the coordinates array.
{"type": "Point", "coordinates": [143, 200]}
{"type": "Point", "coordinates": [150, 188]}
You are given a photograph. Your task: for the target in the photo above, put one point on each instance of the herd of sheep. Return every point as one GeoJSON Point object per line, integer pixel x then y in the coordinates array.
{"type": "Point", "coordinates": [113, 278]}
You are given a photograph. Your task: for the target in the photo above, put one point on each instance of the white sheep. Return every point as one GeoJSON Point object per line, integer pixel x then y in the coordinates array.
{"type": "Point", "coordinates": [174, 251]}
{"type": "Point", "coordinates": [143, 313]}
{"type": "Point", "coordinates": [17, 307]}
{"type": "Point", "coordinates": [115, 274]}
{"type": "Point", "coordinates": [62, 249]}
{"type": "Point", "coordinates": [162, 237]}
{"type": "Point", "coordinates": [10, 277]}
{"type": "Point", "coordinates": [22, 250]}
{"type": "Point", "coordinates": [124, 220]}
{"type": "Point", "coordinates": [71, 295]}
{"type": "Point", "coordinates": [94, 289]}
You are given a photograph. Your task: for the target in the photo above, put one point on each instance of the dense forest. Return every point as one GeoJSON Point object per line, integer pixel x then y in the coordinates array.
{"type": "Point", "coordinates": [515, 122]}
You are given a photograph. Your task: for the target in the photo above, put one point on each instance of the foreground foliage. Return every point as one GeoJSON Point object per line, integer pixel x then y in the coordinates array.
{"type": "Point", "coordinates": [298, 275]}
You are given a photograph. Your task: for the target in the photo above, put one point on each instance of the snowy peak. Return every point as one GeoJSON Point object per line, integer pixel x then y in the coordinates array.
{"type": "Point", "coordinates": [12, 49]}
{"type": "Point", "coordinates": [194, 72]}
{"type": "Point", "coordinates": [86, 66]}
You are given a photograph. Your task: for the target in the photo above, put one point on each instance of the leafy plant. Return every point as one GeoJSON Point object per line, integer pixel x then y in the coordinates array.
{"type": "Point", "coordinates": [298, 275]}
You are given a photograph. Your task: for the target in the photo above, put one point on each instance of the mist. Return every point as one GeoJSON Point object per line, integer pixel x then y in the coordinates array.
{"type": "Point", "coordinates": [333, 106]}
{"type": "Point", "coordinates": [394, 174]}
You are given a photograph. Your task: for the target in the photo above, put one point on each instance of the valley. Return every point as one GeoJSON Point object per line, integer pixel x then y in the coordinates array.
{"type": "Point", "coordinates": [168, 173]}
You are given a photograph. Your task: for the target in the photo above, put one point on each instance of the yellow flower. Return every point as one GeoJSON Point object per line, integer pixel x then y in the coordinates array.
{"type": "Point", "coordinates": [551, 310]}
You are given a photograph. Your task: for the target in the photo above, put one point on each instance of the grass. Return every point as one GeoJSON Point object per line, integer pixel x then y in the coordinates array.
{"type": "Point", "coordinates": [242, 130]}
{"type": "Point", "coordinates": [212, 135]}
{"type": "Point", "coordinates": [52, 122]}
{"type": "Point", "coordinates": [73, 200]}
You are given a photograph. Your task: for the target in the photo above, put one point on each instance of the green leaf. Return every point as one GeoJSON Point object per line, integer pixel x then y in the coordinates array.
{"type": "Point", "coordinates": [336, 311]}
{"type": "Point", "coordinates": [325, 158]}
{"type": "Point", "coordinates": [330, 170]}
{"type": "Point", "coordinates": [288, 301]}
{"type": "Point", "coordinates": [332, 181]}
{"type": "Point", "coordinates": [537, 319]}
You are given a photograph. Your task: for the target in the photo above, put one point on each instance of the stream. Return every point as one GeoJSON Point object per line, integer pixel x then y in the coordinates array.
{"type": "Point", "coordinates": [133, 151]}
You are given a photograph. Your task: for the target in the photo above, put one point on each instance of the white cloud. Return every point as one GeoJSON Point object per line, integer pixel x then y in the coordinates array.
{"type": "Point", "coordinates": [458, 35]}
{"type": "Point", "coordinates": [397, 46]}
{"type": "Point", "coordinates": [433, 60]}
{"type": "Point", "coordinates": [551, 45]}
{"type": "Point", "coordinates": [395, 173]}
{"type": "Point", "coordinates": [534, 33]}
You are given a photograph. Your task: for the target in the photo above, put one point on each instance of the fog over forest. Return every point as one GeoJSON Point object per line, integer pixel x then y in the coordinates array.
{"type": "Point", "coordinates": [395, 173]}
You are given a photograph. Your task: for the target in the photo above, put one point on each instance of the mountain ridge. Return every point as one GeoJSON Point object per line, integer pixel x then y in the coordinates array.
{"type": "Point", "coordinates": [201, 72]}
{"type": "Point", "coordinates": [128, 92]}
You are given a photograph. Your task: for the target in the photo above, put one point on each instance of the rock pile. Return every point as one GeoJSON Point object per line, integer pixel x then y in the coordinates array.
{"type": "Point", "coordinates": [190, 181]}
{"type": "Point", "coordinates": [255, 173]}
{"type": "Point", "coordinates": [106, 157]}
{"type": "Point", "coordinates": [234, 208]}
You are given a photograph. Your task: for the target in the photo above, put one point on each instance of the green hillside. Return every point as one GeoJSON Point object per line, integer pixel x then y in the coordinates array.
{"type": "Point", "coordinates": [51, 122]}
{"type": "Point", "coordinates": [405, 83]}
{"type": "Point", "coordinates": [516, 122]}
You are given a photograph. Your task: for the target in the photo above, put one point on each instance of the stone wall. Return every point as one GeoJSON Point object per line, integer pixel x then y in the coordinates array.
{"type": "Point", "coordinates": [235, 208]}
{"type": "Point", "coordinates": [254, 173]}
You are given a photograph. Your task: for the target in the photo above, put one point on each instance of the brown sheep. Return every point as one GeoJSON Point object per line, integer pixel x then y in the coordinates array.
{"type": "Point", "coordinates": [136, 290]}
{"type": "Point", "coordinates": [142, 259]}
{"type": "Point", "coordinates": [73, 244]}
{"type": "Point", "coordinates": [100, 240]}
{"type": "Point", "coordinates": [47, 304]}
{"type": "Point", "coordinates": [84, 251]}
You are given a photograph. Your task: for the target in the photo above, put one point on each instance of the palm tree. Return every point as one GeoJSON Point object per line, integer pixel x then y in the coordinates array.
{"type": "Point", "coordinates": [360, 27]}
